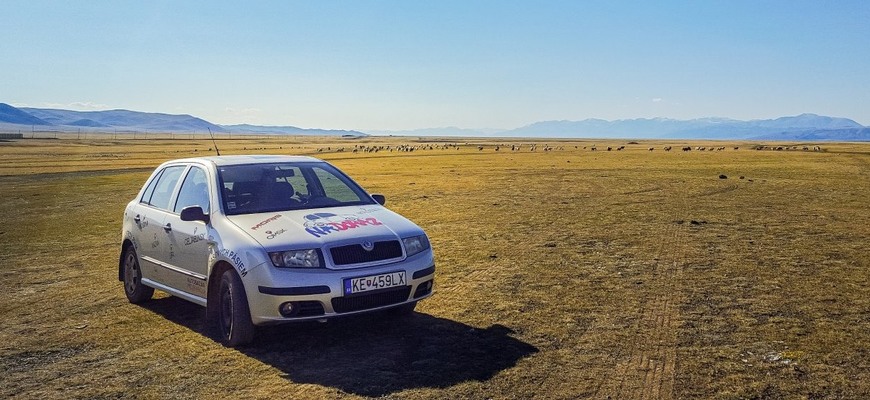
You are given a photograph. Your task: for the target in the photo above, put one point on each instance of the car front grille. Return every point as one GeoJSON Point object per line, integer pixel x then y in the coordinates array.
{"type": "Point", "coordinates": [356, 254]}
{"type": "Point", "coordinates": [374, 300]}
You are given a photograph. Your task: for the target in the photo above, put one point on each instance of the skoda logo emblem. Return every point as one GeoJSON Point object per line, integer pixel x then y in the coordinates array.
{"type": "Point", "coordinates": [368, 246]}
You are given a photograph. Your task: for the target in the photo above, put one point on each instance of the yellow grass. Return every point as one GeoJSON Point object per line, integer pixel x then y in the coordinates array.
{"type": "Point", "coordinates": [560, 274]}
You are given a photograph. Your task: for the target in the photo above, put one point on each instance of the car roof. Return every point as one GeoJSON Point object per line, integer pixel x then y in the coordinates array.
{"type": "Point", "coordinates": [247, 159]}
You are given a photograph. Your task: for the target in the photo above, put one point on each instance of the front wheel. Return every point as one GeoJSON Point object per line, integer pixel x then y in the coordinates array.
{"type": "Point", "coordinates": [233, 322]}
{"type": "Point", "coordinates": [134, 289]}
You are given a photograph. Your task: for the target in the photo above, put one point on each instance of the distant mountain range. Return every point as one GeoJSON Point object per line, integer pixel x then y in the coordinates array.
{"type": "Point", "coordinates": [122, 119]}
{"type": "Point", "coordinates": [800, 127]}
{"type": "Point", "coordinates": [288, 130]}
{"type": "Point", "coordinates": [135, 121]}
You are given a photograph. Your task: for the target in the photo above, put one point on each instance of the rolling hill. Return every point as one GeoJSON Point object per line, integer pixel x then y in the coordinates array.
{"type": "Point", "coordinates": [12, 115]}
{"type": "Point", "coordinates": [124, 119]}
{"type": "Point", "coordinates": [136, 121]}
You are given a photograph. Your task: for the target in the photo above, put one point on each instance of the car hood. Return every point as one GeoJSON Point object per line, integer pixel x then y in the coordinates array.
{"type": "Point", "coordinates": [300, 229]}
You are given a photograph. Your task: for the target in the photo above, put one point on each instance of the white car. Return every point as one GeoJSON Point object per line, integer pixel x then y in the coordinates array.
{"type": "Point", "coordinates": [261, 240]}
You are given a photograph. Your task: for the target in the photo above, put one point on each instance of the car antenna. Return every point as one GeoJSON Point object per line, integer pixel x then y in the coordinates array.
{"type": "Point", "coordinates": [212, 140]}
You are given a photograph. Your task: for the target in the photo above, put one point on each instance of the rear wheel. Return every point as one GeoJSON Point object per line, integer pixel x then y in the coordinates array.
{"type": "Point", "coordinates": [233, 322]}
{"type": "Point", "coordinates": [134, 289]}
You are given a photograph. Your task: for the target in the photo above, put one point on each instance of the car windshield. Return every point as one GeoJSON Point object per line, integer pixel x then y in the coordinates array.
{"type": "Point", "coordinates": [258, 188]}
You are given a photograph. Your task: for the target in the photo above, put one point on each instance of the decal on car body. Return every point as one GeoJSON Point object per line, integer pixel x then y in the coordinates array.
{"type": "Point", "coordinates": [271, 235]}
{"type": "Point", "coordinates": [265, 221]}
{"type": "Point", "coordinates": [322, 224]}
{"type": "Point", "coordinates": [236, 260]}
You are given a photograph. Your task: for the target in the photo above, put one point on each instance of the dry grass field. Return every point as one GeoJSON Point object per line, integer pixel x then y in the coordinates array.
{"type": "Point", "coordinates": [563, 274]}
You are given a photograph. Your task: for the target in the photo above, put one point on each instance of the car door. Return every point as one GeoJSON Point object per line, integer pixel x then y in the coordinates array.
{"type": "Point", "coordinates": [154, 208]}
{"type": "Point", "coordinates": [188, 240]}
{"type": "Point", "coordinates": [147, 222]}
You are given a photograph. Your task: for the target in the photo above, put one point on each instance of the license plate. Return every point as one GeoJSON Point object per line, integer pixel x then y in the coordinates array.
{"type": "Point", "coordinates": [374, 282]}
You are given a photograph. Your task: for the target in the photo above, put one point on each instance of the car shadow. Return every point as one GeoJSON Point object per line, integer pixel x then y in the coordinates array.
{"type": "Point", "coordinates": [374, 354]}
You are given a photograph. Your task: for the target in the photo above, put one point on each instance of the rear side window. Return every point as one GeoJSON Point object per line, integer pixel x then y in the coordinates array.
{"type": "Point", "coordinates": [164, 187]}
{"type": "Point", "coordinates": [146, 197]}
{"type": "Point", "coordinates": [194, 191]}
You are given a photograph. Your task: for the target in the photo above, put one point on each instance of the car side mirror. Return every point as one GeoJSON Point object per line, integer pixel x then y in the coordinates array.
{"type": "Point", "coordinates": [379, 198]}
{"type": "Point", "coordinates": [194, 213]}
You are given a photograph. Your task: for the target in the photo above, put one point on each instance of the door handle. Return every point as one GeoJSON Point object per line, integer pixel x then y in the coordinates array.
{"type": "Point", "coordinates": [137, 219]}
{"type": "Point", "coordinates": [167, 227]}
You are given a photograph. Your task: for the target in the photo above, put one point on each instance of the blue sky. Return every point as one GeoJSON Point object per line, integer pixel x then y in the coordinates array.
{"type": "Point", "coordinates": [416, 64]}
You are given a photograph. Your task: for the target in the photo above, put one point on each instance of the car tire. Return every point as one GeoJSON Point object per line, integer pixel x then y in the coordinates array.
{"type": "Point", "coordinates": [233, 317]}
{"type": "Point", "coordinates": [404, 309]}
{"type": "Point", "coordinates": [135, 290]}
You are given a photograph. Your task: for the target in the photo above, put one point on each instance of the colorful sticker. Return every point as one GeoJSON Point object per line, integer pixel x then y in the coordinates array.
{"type": "Point", "coordinates": [322, 224]}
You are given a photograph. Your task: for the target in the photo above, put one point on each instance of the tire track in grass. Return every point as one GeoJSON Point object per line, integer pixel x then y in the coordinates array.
{"type": "Point", "coordinates": [649, 370]}
{"type": "Point", "coordinates": [721, 190]}
{"type": "Point", "coordinates": [459, 287]}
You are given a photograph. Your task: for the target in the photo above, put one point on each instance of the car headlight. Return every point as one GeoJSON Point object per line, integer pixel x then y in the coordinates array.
{"type": "Point", "coordinates": [310, 258]}
{"type": "Point", "coordinates": [415, 244]}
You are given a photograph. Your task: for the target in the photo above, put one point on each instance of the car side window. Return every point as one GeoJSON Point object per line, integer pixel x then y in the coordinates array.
{"type": "Point", "coordinates": [194, 191]}
{"type": "Point", "coordinates": [165, 185]}
{"type": "Point", "coordinates": [146, 196]}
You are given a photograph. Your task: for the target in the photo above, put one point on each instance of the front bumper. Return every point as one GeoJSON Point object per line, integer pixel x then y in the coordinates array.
{"type": "Point", "coordinates": [319, 293]}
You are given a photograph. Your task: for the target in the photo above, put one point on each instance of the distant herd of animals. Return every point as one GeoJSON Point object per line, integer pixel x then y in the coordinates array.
{"type": "Point", "coordinates": [545, 147]}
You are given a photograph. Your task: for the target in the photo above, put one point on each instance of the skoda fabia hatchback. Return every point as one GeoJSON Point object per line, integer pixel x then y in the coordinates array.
{"type": "Point", "coordinates": [261, 240]}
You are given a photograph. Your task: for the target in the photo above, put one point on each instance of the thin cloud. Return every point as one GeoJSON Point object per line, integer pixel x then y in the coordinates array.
{"type": "Point", "coordinates": [243, 111]}
{"type": "Point", "coordinates": [657, 100]}
{"type": "Point", "coordinates": [77, 106]}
